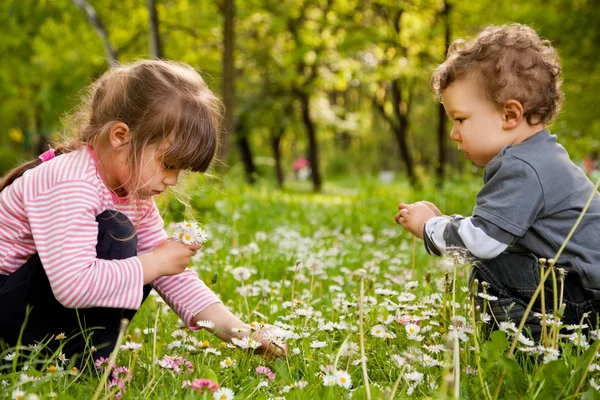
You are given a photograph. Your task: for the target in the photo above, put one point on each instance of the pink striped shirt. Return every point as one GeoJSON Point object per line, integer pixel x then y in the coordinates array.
{"type": "Point", "coordinates": [51, 210]}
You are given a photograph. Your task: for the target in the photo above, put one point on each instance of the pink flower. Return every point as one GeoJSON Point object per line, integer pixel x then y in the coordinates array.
{"type": "Point", "coordinates": [118, 383]}
{"type": "Point", "coordinates": [183, 366]}
{"type": "Point", "coordinates": [102, 363]}
{"type": "Point", "coordinates": [202, 384]}
{"type": "Point", "coordinates": [121, 374]}
{"type": "Point", "coordinates": [178, 364]}
{"type": "Point", "coordinates": [262, 370]}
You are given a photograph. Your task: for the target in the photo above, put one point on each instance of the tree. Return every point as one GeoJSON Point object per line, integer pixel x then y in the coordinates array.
{"type": "Point", "coordinates": [154, 44]}
{"type": "Point", "coordinates": [94, 19]}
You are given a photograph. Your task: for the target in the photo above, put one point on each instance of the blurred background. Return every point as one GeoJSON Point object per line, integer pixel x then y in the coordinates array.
{"type": "Point", "coordinates": [315, 91]}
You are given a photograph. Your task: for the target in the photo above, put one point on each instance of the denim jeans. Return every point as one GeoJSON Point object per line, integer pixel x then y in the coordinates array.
{"type": "Point", "coordinates": [29, 286]}
{"type": "Point", "coordinates": [514, 278]}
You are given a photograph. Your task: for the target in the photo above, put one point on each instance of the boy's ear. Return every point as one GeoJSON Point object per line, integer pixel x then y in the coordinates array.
{"type": "Point", "coordinates": [513, 114]}
{"type": "Point", "coordinates": [118, 135]}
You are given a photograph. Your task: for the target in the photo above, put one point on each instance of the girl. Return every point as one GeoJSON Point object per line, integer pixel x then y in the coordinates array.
{"type": "Point", "coordinates": [81, 240]}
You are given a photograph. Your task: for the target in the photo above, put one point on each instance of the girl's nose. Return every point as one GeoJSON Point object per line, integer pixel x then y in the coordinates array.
{"type": "Point", "coordinates": [171, 177]}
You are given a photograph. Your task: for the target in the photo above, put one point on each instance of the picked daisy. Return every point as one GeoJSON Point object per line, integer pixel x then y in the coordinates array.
{"type": "Point", "coordinates": [189, 233]}
{"type": "Point", "coordinates": [207, 324]}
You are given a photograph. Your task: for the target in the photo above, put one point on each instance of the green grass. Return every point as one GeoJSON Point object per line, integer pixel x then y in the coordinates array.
{"type": "Point", "coordinates": [343, 238]}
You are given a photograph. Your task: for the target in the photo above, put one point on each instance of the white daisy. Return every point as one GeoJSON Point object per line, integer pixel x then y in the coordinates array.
{"type": "Point", "coordinates": [223, 393]}
{"type": "Point", "coordinates": [205, 324]}
{"type": "Point", "coordinates": [343, 379]}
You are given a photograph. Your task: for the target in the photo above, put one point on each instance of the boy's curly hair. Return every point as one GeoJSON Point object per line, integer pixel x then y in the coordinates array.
{"type": "Point", "coordinates": [508, 62]}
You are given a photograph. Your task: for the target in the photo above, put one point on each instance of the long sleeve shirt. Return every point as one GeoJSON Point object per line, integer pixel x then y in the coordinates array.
{"type": "Point", "coordinates": [51, 210]}
{"type": "Point", "coordinates": [532, 197]}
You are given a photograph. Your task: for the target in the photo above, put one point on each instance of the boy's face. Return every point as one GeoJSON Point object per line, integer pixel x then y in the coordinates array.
{"type": "Point", "coordinates": [477, 124]}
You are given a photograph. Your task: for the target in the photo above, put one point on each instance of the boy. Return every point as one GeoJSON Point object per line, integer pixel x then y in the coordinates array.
{"type": "Point", "coordinates": [500, 90]}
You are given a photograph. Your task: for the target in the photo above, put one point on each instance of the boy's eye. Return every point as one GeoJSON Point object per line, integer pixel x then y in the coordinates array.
{"type": "Point", "coordinates": [460, 120]}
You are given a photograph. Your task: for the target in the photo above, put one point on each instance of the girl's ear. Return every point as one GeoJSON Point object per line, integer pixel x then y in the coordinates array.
{"type": "Point", "coordinates": [513, 114]}
{"type": "Point", "coordinates": [119, 135]}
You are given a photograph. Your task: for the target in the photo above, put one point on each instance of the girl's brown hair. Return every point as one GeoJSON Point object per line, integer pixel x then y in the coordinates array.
{"type": "Point", "coordinates": [507, 62]}
{"type": "Point", "coordinates": [159, 101]}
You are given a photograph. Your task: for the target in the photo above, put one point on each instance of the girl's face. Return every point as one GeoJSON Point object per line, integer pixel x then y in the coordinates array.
{"type": "Point", "coordinates": [154, 176]}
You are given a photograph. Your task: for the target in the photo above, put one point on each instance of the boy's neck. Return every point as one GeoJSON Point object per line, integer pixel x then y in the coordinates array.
{"type": "Point", "coordinates": [524, 131]}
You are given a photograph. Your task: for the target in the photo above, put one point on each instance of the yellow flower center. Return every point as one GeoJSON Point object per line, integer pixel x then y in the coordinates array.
{"type": "Point", "coordinates": [378, 331]}
{"type": "Point", "coordinates": [343, 380]}
{"type": "Point", "coordinates": [228, 362]}
{"type": "Point", "coordinates": [52, 368]}
{"type": "Point", "coordinates": [224, 396]}
{"type": "Point", "coordinates": [187, 237]}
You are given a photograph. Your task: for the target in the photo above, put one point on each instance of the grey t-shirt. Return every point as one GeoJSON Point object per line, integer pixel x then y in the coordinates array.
{"type": "Point", "coordinates": [535, 193]}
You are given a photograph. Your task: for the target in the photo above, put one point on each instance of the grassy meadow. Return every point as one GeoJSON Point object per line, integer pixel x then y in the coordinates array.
{"type": "Point", "coordinates": [364, 311]}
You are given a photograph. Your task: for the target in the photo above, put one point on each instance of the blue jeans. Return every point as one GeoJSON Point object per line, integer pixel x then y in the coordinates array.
{"type": "Point", "coordinates": [514, 278]}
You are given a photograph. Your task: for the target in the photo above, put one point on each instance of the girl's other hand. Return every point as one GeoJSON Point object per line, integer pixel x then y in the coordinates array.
{"type": "Point", "coordinates": [268, 349]}
{"type": "Point", "coordinates": [168, 258]}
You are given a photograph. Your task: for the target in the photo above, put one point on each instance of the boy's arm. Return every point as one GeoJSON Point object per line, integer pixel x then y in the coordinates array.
{"type": "Point", "coordinates": [480, 237]}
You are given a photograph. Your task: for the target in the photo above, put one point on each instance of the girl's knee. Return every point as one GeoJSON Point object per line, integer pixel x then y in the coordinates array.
{"type": "Point", "coordinates": [117, 237]}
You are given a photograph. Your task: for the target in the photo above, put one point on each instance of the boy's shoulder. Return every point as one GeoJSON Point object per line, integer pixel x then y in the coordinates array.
{"type": "Point", "coordinates": [541, 152]}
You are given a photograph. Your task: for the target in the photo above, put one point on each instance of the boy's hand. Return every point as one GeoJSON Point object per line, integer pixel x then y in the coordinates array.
{"type": "Point", "coordinates": [433, 208]}
{"type": "Point", "coordinates": [413, 217]}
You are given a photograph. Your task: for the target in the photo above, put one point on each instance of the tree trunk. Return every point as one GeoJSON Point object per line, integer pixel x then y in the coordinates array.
{"type": "Point", "coordinates": [228, 11]}
{"type": "Point", "coordinates": [92, 16]}
{"type": "Point", "coordinates": [313, 145]}
{"type": "Point", "coordinates": [275, 145]}
{"type": "Point", "coordinates": [154, 44]}
{"type": "Point", "coordinates": [442, 161]}
{"type": "Point", "coordinates": [246, 155]}
{"type": "Point", "coordinates": [400, 133]}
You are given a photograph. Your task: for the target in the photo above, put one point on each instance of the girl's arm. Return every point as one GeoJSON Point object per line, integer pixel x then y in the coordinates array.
{"type": "Point", "coordinates": [228, 326]}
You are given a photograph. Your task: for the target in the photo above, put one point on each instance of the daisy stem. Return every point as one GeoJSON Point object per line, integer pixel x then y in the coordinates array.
{"type": "Point", "coordinates": [555, 311]}
{"type": "Point", "coordinates": [112, 359]}
{"type": "Point", "coordinates": [294, 282]}
{"type": "Point", "coordinates": [414, 248]}
{"type": "Point", "coordinates": [543, 295]}
{"type": "Point", "coordinates": [397, 383]}
{"type": "Point", "coordinates": [484, 386]}
{"type": "Point", "coordinates": [456, 344]}
{"type": "Point", "coordinates": [153, 376]}
{"type": "Point", "coordinates": [312, 281]}
{"type": "Point", "coordinates": [362, 339]}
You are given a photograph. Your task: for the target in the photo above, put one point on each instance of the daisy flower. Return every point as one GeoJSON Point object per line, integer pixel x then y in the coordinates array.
{"type": "Point", "coordinates": [223, 394]}
{"type": "Point", "coordinates": [207, 324]}
{"type": "Point", "coordinates": [378, 331]}
{"type": "Point", "coordinates": [227, 363]}
{"type": "Point", "coordinates": [343, 379]}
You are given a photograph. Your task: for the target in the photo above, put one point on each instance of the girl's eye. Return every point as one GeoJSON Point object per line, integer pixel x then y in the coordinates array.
{"type": "Point", "coordinates": [460, 120]}
{"type": "Point", "coordinates": [169, 167]}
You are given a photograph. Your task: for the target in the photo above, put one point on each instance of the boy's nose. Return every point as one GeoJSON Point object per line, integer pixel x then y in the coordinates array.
{"type": "Point", "coordinates": [454, 135]}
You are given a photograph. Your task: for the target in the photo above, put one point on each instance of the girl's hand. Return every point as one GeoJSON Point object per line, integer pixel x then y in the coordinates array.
{"type": "Point", "coordinates": [413, 217]}
{"type": "Point", "coordinates": [168, 258]}
{"type": "Point", "coordinates": [268, 349]}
